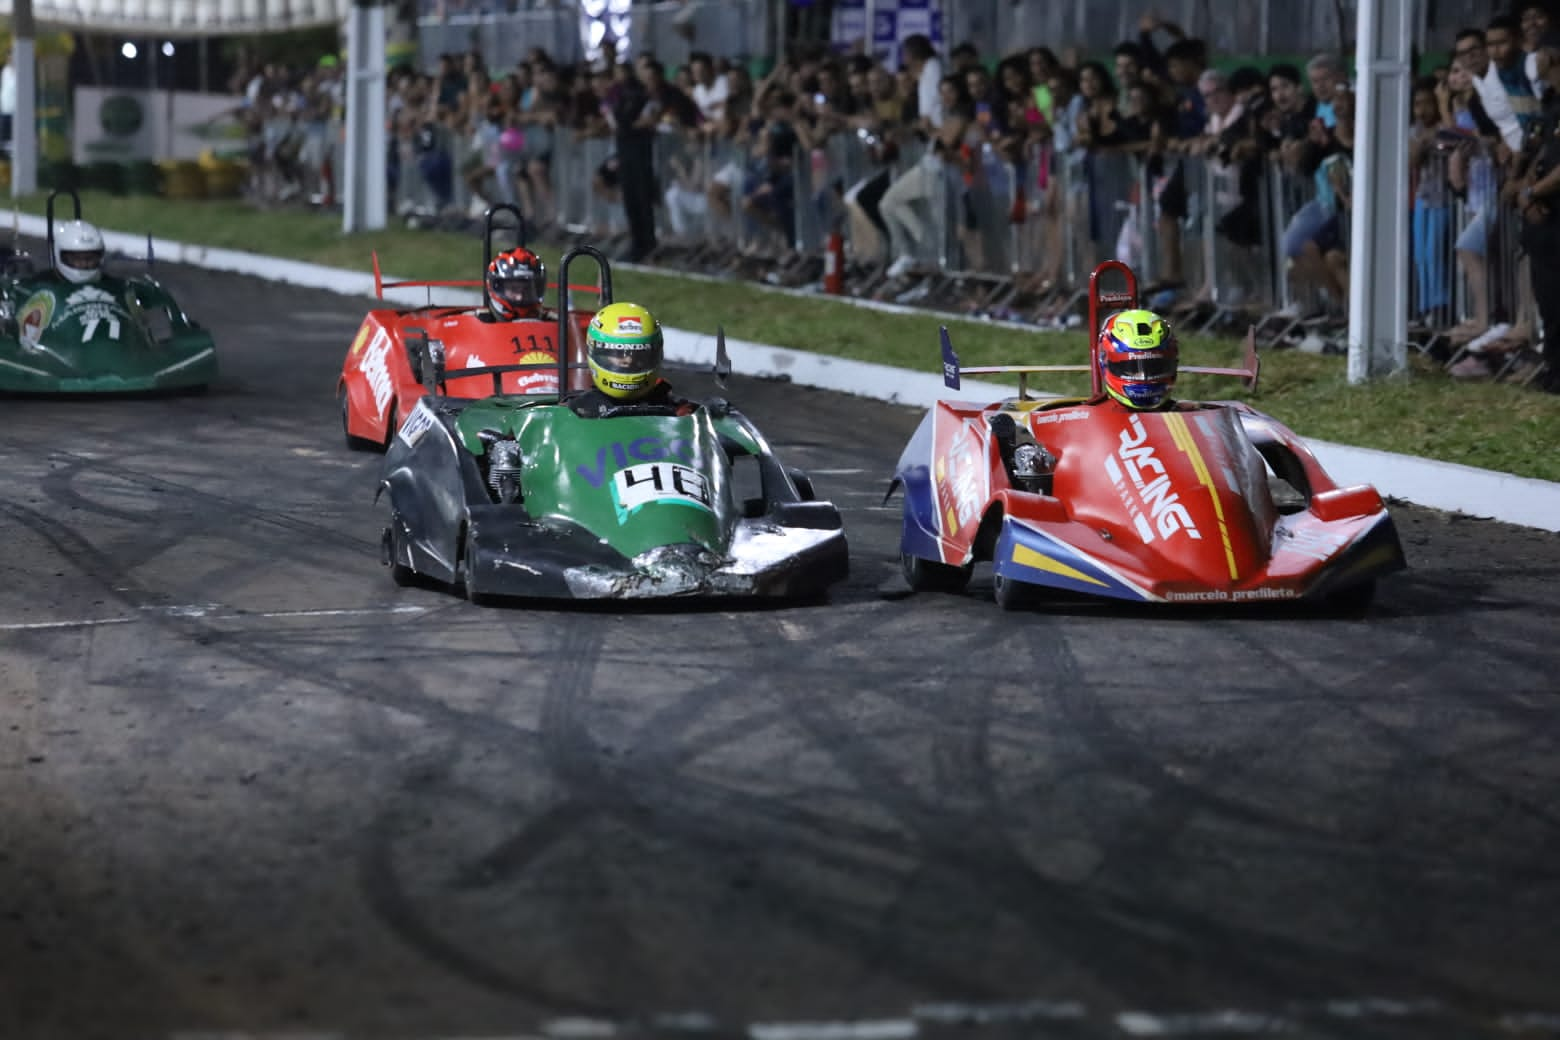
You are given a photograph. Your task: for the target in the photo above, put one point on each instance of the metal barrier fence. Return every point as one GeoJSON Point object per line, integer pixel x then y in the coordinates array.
{"type": "Point", "coordinates": [1015, 237]}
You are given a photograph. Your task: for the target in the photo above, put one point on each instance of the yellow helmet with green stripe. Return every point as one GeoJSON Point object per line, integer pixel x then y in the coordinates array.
{"type": "Point", "coordinates": [624, 347]}
{"type": "Point", "coordinates": [1139, 358]}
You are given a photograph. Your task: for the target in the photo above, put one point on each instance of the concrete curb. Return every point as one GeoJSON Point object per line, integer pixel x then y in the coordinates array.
{"type": "Point", "coordinates": [1440, 485]}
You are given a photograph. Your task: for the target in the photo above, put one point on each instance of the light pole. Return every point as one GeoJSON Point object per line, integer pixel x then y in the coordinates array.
{"type": "Point", "coordinates": [24, 125]}
{"type": "Point", "coordinates": [363, 200]}
{"type": "Point", "coordinates": [1378, 246]}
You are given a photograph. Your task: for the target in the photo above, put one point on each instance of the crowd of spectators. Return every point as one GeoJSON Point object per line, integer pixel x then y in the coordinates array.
{"type": "Point", "coordinates": [1060, 119]}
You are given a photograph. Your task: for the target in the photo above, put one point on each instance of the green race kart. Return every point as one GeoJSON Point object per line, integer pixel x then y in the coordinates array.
{"type": "Point", "coordinates": [522, 496]}
{"type": "Point", "coordinates": [110, 335]}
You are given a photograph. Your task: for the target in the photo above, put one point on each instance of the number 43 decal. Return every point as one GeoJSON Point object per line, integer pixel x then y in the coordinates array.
{"type": "Point", "coordinates": [89, 329]}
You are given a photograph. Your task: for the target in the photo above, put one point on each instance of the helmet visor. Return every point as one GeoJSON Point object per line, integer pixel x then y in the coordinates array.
{"type": "Point", "coordinates": [517, 292]}
{"type": "Point", "coordinates": [627, 358]}
{"type": "Point", "coordinates": [1146, 368]}
{"type": "Point", "coordinates": [82, 259]}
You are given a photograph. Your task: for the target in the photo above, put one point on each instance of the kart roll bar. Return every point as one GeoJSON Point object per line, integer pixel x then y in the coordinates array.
{"type": "Point", "coordinates": [49, 214]}
{"type": "Point", "coordinates": [604, 299]}
{"type": "Point", "coordinates": [487, 241]}
{"type": "Point", "coordinates": [1098, 300]}
{"type": "Point", "coordinates": [1121, 299]}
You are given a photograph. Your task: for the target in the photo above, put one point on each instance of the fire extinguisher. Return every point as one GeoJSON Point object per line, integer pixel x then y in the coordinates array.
{"type": "Point", "coordinates": [327, 182]}
{"type": "Point", "coordinates": [834, 265]}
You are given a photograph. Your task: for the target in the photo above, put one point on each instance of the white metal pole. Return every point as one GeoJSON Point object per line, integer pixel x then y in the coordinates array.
{"type": "Point", "coordinates": [24, 122]}
{"type": "Point", "coordinates": [363, 200]}
{"type": "Point", "coordinates": [1378, 256]}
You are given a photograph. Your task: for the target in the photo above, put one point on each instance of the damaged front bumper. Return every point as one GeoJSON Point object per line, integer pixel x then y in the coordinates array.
{"type": "Point", "coordinates": [765, 560]}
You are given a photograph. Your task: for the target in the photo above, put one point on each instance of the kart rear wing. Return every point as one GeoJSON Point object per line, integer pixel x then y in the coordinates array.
{"type": "Point", "coordinates": [380, 284]}
{"type": "Point", "coordinates": [488, 227]}
{"type": "Point", "coordinates": [1098, 300]}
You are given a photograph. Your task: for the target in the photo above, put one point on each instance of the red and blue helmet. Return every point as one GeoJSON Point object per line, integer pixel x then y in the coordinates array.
{"type": "Point", "coordinates": [1139, 357]}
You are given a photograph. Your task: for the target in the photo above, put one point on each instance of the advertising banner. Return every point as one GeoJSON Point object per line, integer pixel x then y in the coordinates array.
{"type": "Point", "coordinates": [892, 21]}
{"type": "Point", "coordinates": [118, 125]}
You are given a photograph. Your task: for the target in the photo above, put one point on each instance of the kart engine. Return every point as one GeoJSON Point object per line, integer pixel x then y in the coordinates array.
{"type": "Point", "coordinates": [1033, 466]}
{"type": "Point", "coordinates": [504, 470]}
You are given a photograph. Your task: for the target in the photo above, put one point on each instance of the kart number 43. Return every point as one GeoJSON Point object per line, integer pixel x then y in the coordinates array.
{"type": "Point", "coordinates": [663, 482]}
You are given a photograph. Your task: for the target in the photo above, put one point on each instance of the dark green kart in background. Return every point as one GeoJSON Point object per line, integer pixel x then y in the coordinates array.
{"type": "Point", "coordinates": [115, 334]}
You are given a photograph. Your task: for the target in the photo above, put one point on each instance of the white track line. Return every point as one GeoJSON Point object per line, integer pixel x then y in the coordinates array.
{"type": "Point", "coordinates": [580, 1029]}
{"type": "Point", "coordinates": [204, 611]}
{"type": "Point", "coordinates": [883, 1029]}
{"type": "Point", "coordinates": [1143, 1023]}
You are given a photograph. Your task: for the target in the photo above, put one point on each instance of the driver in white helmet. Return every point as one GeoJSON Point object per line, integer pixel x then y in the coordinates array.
{"type": "Point", "coordinates": [78, 251]}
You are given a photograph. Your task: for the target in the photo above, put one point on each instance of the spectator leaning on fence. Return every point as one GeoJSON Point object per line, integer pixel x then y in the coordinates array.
{"type": "Point", "coordinates": [1539, 200]}
{"type": "Point", "coordinates": [907, 230]}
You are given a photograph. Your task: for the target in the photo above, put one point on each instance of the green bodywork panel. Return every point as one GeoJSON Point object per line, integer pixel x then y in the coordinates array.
{"type": "Point", "coordinates": [638, 482]}
{"type": "Point", "coordinates": [110, 335]}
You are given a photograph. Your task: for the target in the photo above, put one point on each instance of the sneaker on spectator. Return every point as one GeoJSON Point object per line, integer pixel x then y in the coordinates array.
{"type": "Point", "coordinates": [478, 206]}
{"type": "Point", "coordinates": [901, 267]}
{"type": "Point", "coordinates": [1490, 335]}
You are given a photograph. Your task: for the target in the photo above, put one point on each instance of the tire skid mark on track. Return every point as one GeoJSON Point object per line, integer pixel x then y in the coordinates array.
{"type": "Point", "coordinates": [1170, 809]}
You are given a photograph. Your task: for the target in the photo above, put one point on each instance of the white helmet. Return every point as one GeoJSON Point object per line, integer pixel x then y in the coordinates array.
{"type": "Point", "coordinates": [78, 251]}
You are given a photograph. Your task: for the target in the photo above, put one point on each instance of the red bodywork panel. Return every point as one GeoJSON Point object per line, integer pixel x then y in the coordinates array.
{"type": "Point", "coordinates": [1166, 502]}
{"type": "Point", "coordinates": [381, 388]}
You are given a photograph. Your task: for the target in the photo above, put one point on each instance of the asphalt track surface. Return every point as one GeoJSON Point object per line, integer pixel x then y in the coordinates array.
{"type": "Point", "coordinates": [248, 784]}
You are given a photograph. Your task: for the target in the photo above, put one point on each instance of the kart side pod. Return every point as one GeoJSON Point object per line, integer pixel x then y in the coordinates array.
{"type": "Point", "coordinates": [1346, 502]}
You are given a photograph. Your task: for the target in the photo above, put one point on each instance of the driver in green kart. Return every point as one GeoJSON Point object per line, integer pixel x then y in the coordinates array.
{"type": "Point", "coordinates": [77, 255]}
{"type": "Point", "coordinates": [623, 346]}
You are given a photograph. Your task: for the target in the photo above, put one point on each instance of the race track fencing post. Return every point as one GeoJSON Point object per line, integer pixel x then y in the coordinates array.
{"type": "Point", "coordinates": [363, 202]}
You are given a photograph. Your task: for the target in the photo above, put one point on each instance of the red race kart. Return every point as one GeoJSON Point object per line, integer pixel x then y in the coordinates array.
{"type": "Point", "coordinates": [396, 351]}
{"type": "Point", "coordinates": [1085, 496]}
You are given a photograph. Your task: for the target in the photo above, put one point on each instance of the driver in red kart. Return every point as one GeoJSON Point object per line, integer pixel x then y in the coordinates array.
{"type": "Point", "coordinates": [1139, 358]}
{"type": "Point", "coordinates": [516, 281]}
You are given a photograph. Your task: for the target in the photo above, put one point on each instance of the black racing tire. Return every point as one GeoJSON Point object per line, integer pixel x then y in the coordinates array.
{"type": "Point", "coordinates": [355, 443]}
{"type": "Point", "coordinates": [1011, 594]}
{"type": "Point", "coordinates": [924, 575]}
{"type": "Point", "coordinates": [400, 573]}
{"type": "Point", "coordinates": [1354, 601]}
{"type": "Point", "coordinates": [804, 485]}
{"type": "Point", "coordinates": [475, 596]}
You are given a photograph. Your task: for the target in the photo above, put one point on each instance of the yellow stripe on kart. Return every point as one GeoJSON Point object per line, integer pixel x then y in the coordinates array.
{"type": "Point", "coordinates": [1188, 445]}
{"type": "Point", "coordinates": [1024, 555]}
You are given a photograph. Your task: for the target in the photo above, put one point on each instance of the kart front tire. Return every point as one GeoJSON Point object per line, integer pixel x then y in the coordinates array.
{"type": "Point", "coordinates": [475, 596]}
{"type": "Point", "coordinates": [400, 573]}
{"type": "Point", "coordinates": [931, 576]}
{"type": "Point", "coordinates": [1011, 594]}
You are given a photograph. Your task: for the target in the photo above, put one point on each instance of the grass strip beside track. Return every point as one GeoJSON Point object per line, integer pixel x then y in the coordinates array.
{"type": "Point", "coordinates": [1498, 427]}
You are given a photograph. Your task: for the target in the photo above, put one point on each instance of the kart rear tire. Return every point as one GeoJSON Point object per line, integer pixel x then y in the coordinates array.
{"type": "Point", "coordinates": [931, 576]}
{"type": "Point", "coordinates": [1011, 594]}
{"type": "Point", "coordinates": [355, 443]}
{"type": "Point", "coordinates": [1353, 601]}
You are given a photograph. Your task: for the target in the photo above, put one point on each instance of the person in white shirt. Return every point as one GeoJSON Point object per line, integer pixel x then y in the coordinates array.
{"type": "Point", "coordinates": [926, 67]}
{"type": "Point", "coordinates": [907, 231]}
{"type": "Point", "coordinates": [1470, 50]}
{"type": "Point", "coordinates": [1535, 23]}
{"type": "Point", "coordinates": [709, 90]}
{"type": "Point", "coordinates": [7, 101]}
